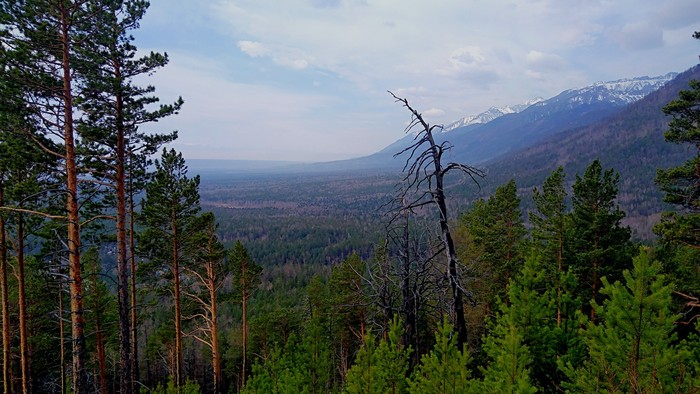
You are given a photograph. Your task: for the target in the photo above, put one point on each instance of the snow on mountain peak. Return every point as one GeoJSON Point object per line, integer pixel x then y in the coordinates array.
{"type": "Point", "coordinates": [490, 114]}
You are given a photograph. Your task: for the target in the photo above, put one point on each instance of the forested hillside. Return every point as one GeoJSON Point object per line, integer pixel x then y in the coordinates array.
{"type": "Point", "coordinates": [123, 271]}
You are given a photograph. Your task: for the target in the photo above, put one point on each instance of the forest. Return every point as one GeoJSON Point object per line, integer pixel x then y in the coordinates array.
{"type": "Point", "coordinates": [120, 272]}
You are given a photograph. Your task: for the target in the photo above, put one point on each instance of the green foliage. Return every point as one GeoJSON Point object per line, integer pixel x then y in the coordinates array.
{"type": "Point", "coordinates": [523, 331]}
{"type": "Point", "coordinates": [444, 369]}
{"type": "Point", "coordinates": [681, 184]}
{"type": "Point", "coordinates": [549, 219]}
{"type": "Point", "coordinates": [380, 369]}
{"type": "Point", "coordinates": [301, 367]}
{"type": "Point", "coordinates": [190, 387]}
{"type": "Point", "coordinates": [634, 348]}
{"type": "Point", "coordinates": [498, 234]}
{"type": "Point", "coordinates": [246, 273]}
{"type": "Point", "coordinates": [601, 245]}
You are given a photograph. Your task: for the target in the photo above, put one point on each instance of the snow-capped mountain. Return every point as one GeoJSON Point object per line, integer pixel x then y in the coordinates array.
{"type": "Point", "coordinates": [490, 114]}
{"type": "Point", "coordinates": [620, 92]}
{"type": "Point", "coordinates": [617, 93]}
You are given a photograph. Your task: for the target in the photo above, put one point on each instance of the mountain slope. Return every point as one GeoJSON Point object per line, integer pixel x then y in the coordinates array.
{"type": "Point", "coordinates": [495, 132]}
{"type": "Point", "coordinates": [631, 141]}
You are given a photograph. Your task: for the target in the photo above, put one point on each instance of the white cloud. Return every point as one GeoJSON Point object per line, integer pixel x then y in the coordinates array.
{"type": "Point", "coordinates": [541, 60]}
{"type": "Point", "coordinates": [253, 48]}
{"type": "Point", "coordinates": [333, 60]}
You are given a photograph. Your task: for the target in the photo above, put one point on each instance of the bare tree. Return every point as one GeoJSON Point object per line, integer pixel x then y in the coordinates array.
{"type": "Point", "coordinates": [424, 175]}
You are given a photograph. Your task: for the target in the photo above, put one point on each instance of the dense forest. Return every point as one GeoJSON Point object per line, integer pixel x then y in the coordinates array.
{"type": "Point", "coordinates": [114, 278]}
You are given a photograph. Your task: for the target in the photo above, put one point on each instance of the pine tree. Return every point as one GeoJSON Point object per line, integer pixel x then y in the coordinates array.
{"type": "Point", "coordinates": [601, 245]}
{"type": "Point", "coordinates": [634, 348]}
{"type": "Point", "coordinates": [681, 184]}
{"type": "Point", "coordinates": [169, 211]}
{"type": "Point", "coordinates": [207, 273]}
{"type": "Point", "coordinates": [497, 232]}
{"type": "Point", "coordinates": [444, 369]}
{"type": "Point", "coordinates": [521, 341]}
{"type": "Point", "coordinates": [246, 278]}
{"type": "Point", "coordinates": [380, 368]}
{"type": "Point", "coordinates": [549, 228]}
{"type": "Point", "coordinates": [114, 109]}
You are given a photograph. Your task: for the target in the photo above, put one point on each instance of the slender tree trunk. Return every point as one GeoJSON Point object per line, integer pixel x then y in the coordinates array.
{"type": "Point", "coordinates": [245, 326]}
{"type": "Point", "coordinates": [6, 345]}
{"type": "Point", "coordinates": [176, 294]}
{"type": "Point", "coordinates": [125, 381]}
{"type": "Point", "coordinates": [62, 337]}
{"type": "Point", "coordinates": [72, 208]}
{"type": "Point", "coordinates": [132, 269]}
{"type": "Point", "coordinates": [22, 301]}
{"type": "Point", "coordinates": [101, 361]}
{"type": "Point", "coordinates": [560, 269]}
{"type": "Point", "coordinates": [215, 354]}
{"type": "Point", "coordinates": [452, 261]}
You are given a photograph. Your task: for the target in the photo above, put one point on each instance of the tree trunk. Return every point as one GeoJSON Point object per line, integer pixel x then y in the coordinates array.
{"type": "Point", "coordinates": [6, 345]}
{"type": "Point", "coordinates": [215, 355]}
{"type": "Point", "coordinates": [245, 327]}
{"type": "Point", "coordinates": [101, 362]}
{"type": "Point", "coordinates": [22, 301]}
{"type": "Point", "coordinates": [125, 381]}
{"type": "Point", "coordinates": [132, 269]}
{"type": "Point", "coordinates": [176, 294]}
{"type": "Point", "coordinates": [72, 208]}
{"type": "Point", "coordinates": [62, 337]}
{"type": "Point", "coordinates": [450, 251]}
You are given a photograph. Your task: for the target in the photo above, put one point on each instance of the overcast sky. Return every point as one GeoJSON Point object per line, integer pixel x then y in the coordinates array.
{"type": "Point", "coordinates": [306, 80]}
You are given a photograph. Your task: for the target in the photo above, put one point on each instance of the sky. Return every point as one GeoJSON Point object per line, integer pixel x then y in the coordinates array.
{"type": "Point", "coordinates": [307, 80]}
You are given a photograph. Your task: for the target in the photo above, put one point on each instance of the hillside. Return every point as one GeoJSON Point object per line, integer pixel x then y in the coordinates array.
{"type": "Point", "coordinates": [631, 141]}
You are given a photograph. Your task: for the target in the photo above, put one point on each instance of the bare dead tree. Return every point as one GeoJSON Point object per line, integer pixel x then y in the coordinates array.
{"type": "Point", "coordinates": [424, 175]}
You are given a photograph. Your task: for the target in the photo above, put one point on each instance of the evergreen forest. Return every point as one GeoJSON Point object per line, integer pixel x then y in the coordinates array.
{"type": "Point", "coordinates": [118, 276]}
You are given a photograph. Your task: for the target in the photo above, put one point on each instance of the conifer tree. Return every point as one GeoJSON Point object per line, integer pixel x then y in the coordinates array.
{"type": "Point", "coordinates": [634, 348]}
{"type": "Point", "coordinates": [497, 231]}
{"type": "Point", "coordinates": [115, 108]}
{"type": "Point", "coordinates": [246, 278]}
{"type": "Point", "coordinates": [169, 210]}
{"type": "Point", "coordinates": [525, 341]}
{"type": "Point", "coordinates": [43, 44]}
{"type": "Point", "coordinates": [445, 368]}
{"type": "Point", "coordinates": [601, 245]}
{"type": "Point", "coordinates": [681, 184]}
{"type": "Point", "coordinates": [549, 226]}
{"type": "Point", "coordinates": [207, 273]}
{"type": "Point", "coordinates": [380, 368]}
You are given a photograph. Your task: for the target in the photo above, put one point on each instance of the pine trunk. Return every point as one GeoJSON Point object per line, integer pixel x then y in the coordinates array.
{"type": "Point", "coordinates": [132, 269]}
{"type": "Point", "coordinates": [72, 208]}
{"type": "Point", "coordinates": [245, 327]}
{"type": "Point", "coordinates": [215, 355]}
{"type": "Point", "coordinates": [6, 345]}
{"type": "Point", "coordinates": [125, 381]}
{"type": "Point", "coordinates": [176, 294]}
{"type": "Point", "coordinates": [22, 301]}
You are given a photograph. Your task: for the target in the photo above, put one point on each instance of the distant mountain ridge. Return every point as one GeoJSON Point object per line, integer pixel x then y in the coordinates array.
{"type": "Point", "coordinates": [490, 114]}
{"type": "Point", "coordinates": [498, 131]}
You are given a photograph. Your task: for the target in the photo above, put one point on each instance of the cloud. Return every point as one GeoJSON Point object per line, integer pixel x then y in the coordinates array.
{"type": "Point", "coordinates": [640, 35]}
{"type": "Point", "coordinates": [674, 14]}
{"type": "Point", "coordinates": [433, 112]}
{"type": "Point", "coordinates": [541, 60]}
{"type": "Point", "coordinates": [253, 48]}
